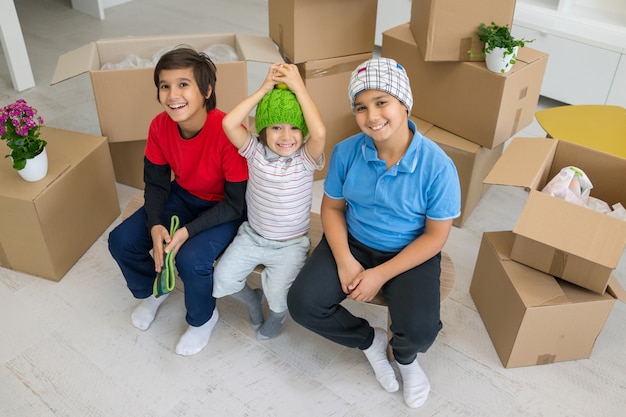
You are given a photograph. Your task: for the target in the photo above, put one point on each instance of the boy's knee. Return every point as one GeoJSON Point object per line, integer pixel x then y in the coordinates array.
{"type": "Point", "coordinates": [296, 305]}
{"type": "Point", "coordinates": [115, 241]}
{"type": "Point", "coordinates": [423, 336]}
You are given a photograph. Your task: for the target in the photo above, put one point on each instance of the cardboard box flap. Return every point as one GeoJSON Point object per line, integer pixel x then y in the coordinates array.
{"type": "Point", "coordinates": [422, 125]}
{"type": "Point", "coordinates": [75, 62]}
{"type": "Point", "coordinates": [258, 48]}
{"type": "Point", "coordinates": [444, 137]}
{"type": "Point", "coordinates": [502, 243]}
{"type": "Point", "coordinates": [557, 228]}
{"type": "Point", "coordinates": [616, 289]}
{"type": "Point", "coordinates": [534, 287]}
{"type": "Point", "coordinates": [525, 162]}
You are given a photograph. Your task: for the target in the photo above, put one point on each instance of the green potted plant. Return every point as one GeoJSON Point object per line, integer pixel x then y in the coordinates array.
{"type": "Point", "coordinates": [20, 127]}
{"type": "Point", "coordinates": [501, 47]}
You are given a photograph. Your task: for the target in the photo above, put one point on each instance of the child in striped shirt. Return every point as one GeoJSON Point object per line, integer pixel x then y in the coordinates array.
{"type": "Point", "coordinates": [281, 163]}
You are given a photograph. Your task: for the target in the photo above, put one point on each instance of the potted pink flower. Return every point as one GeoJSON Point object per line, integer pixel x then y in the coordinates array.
{"type": "Point", "coordinates": [19, 126]}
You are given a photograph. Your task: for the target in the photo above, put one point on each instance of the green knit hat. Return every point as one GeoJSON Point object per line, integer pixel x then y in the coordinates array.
{"type": "Point", "coordinates": [280, 106]}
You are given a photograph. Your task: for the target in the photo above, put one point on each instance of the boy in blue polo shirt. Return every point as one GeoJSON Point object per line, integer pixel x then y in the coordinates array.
{"type": "Point", "coordinates": [390, 197]}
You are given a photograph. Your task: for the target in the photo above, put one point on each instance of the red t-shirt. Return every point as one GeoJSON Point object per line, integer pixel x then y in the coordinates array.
{"type": "Point", "coordinates": [201, 164]}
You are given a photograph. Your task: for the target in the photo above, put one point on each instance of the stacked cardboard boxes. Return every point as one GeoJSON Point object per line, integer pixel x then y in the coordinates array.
{"type": "Point", "coordinates": [456, 93]}
{"type": "Point", "coordinates": [126, 98]}
{"type": "Point", "coordinates": [327, 40]}
{"type": "Point", "coordinates": [545, 289]}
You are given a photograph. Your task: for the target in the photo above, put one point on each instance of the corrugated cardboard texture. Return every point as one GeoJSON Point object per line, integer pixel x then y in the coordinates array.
{"type": "Point", "coordinates": [48, 225]}
{"type": "Point", "coordinates": [472, 162]}
{"type": "Point", "coordinates": [307, 30]}
{"type": "Point", "coordinates": [445, 29]}
{"type": "Point", "coordinates": [128, 162]}
{"type": "Point", "coordinates": [531, 317]}
{"type": "Point", "coordinates": [465, 98]}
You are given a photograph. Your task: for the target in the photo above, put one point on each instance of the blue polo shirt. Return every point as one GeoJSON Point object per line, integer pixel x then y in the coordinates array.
{"type": "Point", "coordinates": [387, 208]}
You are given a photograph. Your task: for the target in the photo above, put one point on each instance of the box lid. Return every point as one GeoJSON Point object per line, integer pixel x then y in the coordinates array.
{"type": "Point", "coordinates": [525, 163]}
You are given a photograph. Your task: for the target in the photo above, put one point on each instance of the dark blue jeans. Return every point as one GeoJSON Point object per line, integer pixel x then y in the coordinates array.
{"type": "Point", "coordinates": [412, 297]}
{"type": "Point", "coordinates": [130, 244]}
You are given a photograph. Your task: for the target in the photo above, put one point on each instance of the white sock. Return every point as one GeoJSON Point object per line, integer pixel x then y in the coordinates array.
{"type": "Point", "coordinates": [196, 338]}
{"type": "Point", "coordinates": [415, 384]}
{"type": "Point", "coordinates": [144, 314]}
{"type": "Point", "coordinates": [376, 354]}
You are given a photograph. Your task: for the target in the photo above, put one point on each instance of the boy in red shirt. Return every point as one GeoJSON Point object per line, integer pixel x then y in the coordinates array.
{"type": "Point", "coordinates": [207, 194]}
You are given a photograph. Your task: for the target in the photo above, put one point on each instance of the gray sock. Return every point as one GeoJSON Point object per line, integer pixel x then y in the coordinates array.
{"type": "Point", "coordinates": [253, 299]}
{"type": "Point", "coordinates": [272, 325]}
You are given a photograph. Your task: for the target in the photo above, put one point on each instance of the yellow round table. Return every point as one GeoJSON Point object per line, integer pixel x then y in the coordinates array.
{"type": "Point", "coordinates": [595, 126]}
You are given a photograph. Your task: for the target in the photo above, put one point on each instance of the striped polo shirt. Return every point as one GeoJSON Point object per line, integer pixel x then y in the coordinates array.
{"type": "Point", "coordinates": [280, 190]}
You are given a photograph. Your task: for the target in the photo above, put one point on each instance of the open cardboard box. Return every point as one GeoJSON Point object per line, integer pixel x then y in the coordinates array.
{"type": "Point", "coordinates": [446, 29]}
{"type": "Point", "coordinates": [533, 318]}
{"type": "Point", "coordinates": [126, 99]}
{"type": "Point", "coordinates": [569, 241]}
{"type": "Point", "coordinates": [465, 98]}
{"type": "Point", "coordinates": [48, 225]}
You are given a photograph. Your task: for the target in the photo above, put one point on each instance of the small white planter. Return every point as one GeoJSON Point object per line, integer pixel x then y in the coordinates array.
{"type": "Point", "coordinates": [499, 60]}
{"type": "Point", "coordinates": [36, 168]}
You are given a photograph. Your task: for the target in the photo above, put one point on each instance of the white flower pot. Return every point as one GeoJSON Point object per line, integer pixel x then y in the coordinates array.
{"type": "Point", "coordinates": [499, 60]}
{"type": "Point", "coordinates": [36, 168]}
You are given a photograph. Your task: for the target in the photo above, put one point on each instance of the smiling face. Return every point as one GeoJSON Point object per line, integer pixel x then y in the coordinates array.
{"type": "Point", "coordinates": [182, 99]}
{"type": "Point", "coordinates": [380, 115]}
{"type": "Point", "coordinates": [283, 139]}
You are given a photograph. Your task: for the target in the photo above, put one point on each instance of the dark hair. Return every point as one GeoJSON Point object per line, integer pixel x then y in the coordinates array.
{"type": "Point", "coordinates": [204, 70]}
{"type": "Point", "coordinates": [263, 136]}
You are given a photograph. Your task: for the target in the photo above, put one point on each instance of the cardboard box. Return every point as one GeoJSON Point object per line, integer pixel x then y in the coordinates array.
{"type": "Point", "coordinates": [327, 82]}
{"type": "Point", "coordinates": [308, 30]}
{"type": "Point", "coordinates": [564, 239]}
{"type": "Point", "coordinates": [128, 162]}
{"type": "Point", "coordinates": [47, 225]}
{"type": "Point", "coordinates": [126, 99]}
{"type": "Point", "coordinates": [533, 318]}
{"type": "Point", "coordinates": [465, 98]}
{"type": "Point", "coordinates": [473, 162]}
{"type": "Point", "coordinates": [446, 29]}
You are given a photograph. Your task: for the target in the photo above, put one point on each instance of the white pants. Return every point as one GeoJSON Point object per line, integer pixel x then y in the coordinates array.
{"type": "Point", "coordinates": [282, 260]}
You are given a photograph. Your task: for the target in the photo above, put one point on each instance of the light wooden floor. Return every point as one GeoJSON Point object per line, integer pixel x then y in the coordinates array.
{"type": "Point", "coordinates": [68, 348]}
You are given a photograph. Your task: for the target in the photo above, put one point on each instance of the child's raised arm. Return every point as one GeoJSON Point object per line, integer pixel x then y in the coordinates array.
{"type": "Point", "coordinates": [232, 122]}
{"type": "Point", "coordinates": [289, 75]}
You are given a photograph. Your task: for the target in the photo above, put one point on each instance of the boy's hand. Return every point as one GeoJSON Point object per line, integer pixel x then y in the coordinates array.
{"type": "Point", "coordinates": [347, 272]}
{"type": "Point", "coordinates": [365, 286]}
{"type": "Point", "coordinates": [179, 238]}
{"type": "Point", "coordinates": [287, 75]}
{"type": "Point", "coordinates": [160, 237]}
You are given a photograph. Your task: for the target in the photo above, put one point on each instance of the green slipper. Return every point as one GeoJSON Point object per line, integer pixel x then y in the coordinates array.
{"type": "Point", "coordinates": [165, 281]}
